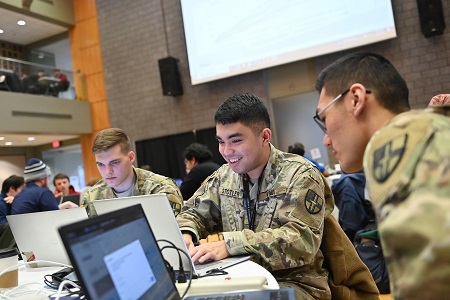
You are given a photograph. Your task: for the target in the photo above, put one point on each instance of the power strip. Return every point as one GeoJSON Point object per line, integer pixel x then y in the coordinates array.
{"type": "Point", "coordinates": [223, 284]}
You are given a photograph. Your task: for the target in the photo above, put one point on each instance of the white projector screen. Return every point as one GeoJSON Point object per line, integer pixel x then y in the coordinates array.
{"type": "Point", "coordinates": [229, 37]}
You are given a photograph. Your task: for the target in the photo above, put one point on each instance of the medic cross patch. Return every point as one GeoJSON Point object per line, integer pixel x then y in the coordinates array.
{"type": "Point", "coordinates": [313, 202]}
{"type": "Point", "coordinates": [387, 157]}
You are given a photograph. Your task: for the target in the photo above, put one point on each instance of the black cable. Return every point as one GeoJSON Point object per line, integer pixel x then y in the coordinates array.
{"type": "Point", "coordinates": [181, 264]}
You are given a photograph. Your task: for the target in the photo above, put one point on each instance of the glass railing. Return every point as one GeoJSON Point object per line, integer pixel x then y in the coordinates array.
{"type": "Point", "coordinates": [31, 78]}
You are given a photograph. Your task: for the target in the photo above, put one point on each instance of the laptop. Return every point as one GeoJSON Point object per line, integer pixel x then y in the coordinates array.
{"type": "Point", "coordinates": [37, 236]}
{"type": "Point", "coordinates": [115, 256]}
{"type": "Point", "coordinates": [164, 225]}
{"type": "Point", "coordinates": [75, 198]}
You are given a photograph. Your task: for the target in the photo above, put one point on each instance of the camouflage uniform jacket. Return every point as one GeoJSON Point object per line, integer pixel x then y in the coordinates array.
{"type": "Point", "coordinates": [147, 183]}
{"type": "Point", "coordinates": [293, 200]}
{"type": "Point", "coordinates": [407, 166]}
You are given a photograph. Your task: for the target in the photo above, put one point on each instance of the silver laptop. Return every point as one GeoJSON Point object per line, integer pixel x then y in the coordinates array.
{"type": "Point", "coordinates": [164, 225]}
{"type": "Point", "coordinates": [37, 236]}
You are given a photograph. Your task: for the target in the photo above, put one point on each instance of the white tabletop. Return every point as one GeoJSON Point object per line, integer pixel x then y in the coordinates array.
{"type": "Point", "coordinates": [244, 269]}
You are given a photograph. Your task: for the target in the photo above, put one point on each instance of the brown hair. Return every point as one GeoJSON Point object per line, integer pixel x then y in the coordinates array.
{"type": "Point", "coordinates": [108, 138]}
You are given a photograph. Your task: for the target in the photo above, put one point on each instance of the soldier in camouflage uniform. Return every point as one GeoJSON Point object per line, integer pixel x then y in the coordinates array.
{"type": "Point", "coordinates": [264, 202]}
{"type": "Point", "coordinates": [114, 157]}
{"type": "Point", "coordinates": [406, 162]}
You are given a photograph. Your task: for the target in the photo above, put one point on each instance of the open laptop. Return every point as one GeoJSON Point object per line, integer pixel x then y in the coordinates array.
{"type": "Point", "coordinates": [163, 223]}
{"type": "Point", "coordinates": [37, 236]}
{"type": "Point", "coordinates": [75, 198]}
{"type": "Point", "coordinates": [115, 256]}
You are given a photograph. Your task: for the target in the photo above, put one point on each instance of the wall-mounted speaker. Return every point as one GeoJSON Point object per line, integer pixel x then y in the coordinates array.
{"type": "Point", "coordinates": [431, 17]}
{"type": "Point", "coordinates": [170, 77]}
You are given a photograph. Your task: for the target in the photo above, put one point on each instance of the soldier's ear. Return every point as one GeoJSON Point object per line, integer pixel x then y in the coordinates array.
{"type": "Point", "coordinates": [359, 94]}
{"type": "Point", "coordinates": [266, 135]}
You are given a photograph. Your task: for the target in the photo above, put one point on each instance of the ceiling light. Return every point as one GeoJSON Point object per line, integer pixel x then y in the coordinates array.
{"type": "Point", "coordinates": [31, 138]}
{"type": "Point", "coordinates": [21, 22]}
{"type": "Point", "coordinates": [1, 31]}
{"type": "Point", "coordinates": [2, 138]}
{"type": "Point", "coordinates": [8, 143]}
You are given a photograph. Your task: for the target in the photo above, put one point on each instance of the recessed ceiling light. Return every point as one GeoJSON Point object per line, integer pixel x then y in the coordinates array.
{"type": "Point", "coordinates": [8, 143]}
{"type": "Point", "coordinates": [1, 31]}
{"type": "Point", "coordinates": [2, 138]}
{"type": "Point", "coordinates": [21, 22]}
{"type": "Point", "coordinates": [31, 138]}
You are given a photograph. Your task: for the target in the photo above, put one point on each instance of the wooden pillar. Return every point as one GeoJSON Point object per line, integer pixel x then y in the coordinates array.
{"type": "Point", "coordinates": [87, 62]}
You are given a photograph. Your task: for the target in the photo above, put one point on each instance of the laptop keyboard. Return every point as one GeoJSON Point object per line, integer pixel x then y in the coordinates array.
{"type": "Point", "coordinates": [275, 295]}
{"type": "Point", "coordinates": [199, 266]}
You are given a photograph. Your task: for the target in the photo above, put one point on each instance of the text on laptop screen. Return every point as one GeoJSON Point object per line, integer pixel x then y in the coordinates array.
{"type": "Point", "coordinates": [118, 258]}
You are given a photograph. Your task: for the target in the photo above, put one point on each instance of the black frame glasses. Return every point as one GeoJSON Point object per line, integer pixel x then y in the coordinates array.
{"type": "Point", "coordinates": [317, 118]}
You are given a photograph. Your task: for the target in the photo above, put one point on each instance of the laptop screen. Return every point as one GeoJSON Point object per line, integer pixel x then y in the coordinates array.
{"type": "Point", "coordinates": [115, 256]}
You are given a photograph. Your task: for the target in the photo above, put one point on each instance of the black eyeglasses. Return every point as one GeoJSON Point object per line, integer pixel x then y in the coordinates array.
{"type": "Point", "coordinates": [317, 118]}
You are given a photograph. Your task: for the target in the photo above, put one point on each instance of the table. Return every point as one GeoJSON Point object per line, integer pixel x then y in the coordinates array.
{"type": "Point", "coordinates": [50, 84]}
{"type": "Point", "coordinates": [244, 269]}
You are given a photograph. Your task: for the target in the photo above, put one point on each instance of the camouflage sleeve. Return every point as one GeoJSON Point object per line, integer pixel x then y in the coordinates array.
{"type": "Point", "coordinates": [173, 193]}
{"type": "Point", "coordinates": [201, 213]}
{"type": "Point", "coordinates": [301, 215]}
{"type": "Point", "coordinates": [407, 168]}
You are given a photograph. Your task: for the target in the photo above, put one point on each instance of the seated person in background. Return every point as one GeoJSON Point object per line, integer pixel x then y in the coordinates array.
{"type": "Point", "coordinates": [36, 196]}
{"type": "Point", "coordinates": [355, 211]}
{"type": "Point", "coordinates": [299, 149]}
{"type": "Point", "coordinates": [263, 201]}
{"type": "Point", "coordinates": [61, 86]}
{"type": "Point", "coordinates": [363, 110]}
{"type": "Point", "coordinates": [10, 188]}
{"type": "Point", "coordinates": [114, 157]}
{"type": "Point", "coordinates": [62, 184]}
{"type": "Point", "coordinates": [199, 165]}
{"type": "Point", "coordinates": [31, 83]}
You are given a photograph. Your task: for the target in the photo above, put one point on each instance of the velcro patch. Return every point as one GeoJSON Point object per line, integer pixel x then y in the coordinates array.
{"type": "Point", "coordinates": [387, 157]}
{"type": "Point", "coordinates": [313, 202]}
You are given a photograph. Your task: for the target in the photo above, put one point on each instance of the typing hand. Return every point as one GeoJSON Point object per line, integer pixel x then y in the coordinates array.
{"type": "Point", "coordinates": [9, 199]}
{"type": "Point", "coordinates": [209, 251]}
{"type": "Point", "coordinates": [188, 240]}
{"type": "Point", "coordinates": [67, 204]}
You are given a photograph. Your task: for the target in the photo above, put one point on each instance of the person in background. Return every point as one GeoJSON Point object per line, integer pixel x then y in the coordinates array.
{"type": "Point", "coordinates": [36, 196]}
{"type": "Point", "coordinates": [199, 165]}
{"type": "Point", "coordinates": [263, 201]}
{"type": "Point", "coordinates": [10, 188]}
{"type": "Point", "coordinates": [355, 211]}
{"type": "Point", "coordinates": [363, 110]}
{"type": "Point", "coordinates": [299, 149]}
{"type": "Point", "coordinates": [61, 86]}
{"type": "Point", "coordinates": [62, 184]}
{"type": "Point", "coordinates": [114, 157]}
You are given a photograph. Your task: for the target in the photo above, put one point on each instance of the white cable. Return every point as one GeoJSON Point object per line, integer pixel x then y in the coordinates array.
{"type": "Point", "coordinates": [61, 286]}
{"type": "Point", "coordinates": [33, 262]}
{"type": "Point", "coordinates": [21, 290]}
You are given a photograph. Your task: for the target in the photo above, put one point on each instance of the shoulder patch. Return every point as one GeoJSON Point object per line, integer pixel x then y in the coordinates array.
{"type": "Point", "coordinates": [387, 157]}
{"type": "Point", "coordinates": [313, 202]}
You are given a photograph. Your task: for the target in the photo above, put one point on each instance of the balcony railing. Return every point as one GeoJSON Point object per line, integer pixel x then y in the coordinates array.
{"type": "Point", "coordinates": [26, 77]}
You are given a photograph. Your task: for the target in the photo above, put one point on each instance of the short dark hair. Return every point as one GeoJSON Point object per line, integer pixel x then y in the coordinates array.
{"type": "Point", "coordinates": [13, 181]}
{"type": "Point", "coordinates": [60, 176]}
{"type": "Point", "coordinates": [372, 70]}
{"type": "Point", "coordinates": [198, 151]}
{"type": "Point", "coordinates": [245, 108]}
{"type": "Point", "coordinates": [108, 138]}
{"type": "Point", "coordinates": [297, 148]}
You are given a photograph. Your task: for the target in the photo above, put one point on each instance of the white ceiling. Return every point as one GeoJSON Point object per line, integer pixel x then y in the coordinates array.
{"type": "Point", "coordinates": [35, 30]}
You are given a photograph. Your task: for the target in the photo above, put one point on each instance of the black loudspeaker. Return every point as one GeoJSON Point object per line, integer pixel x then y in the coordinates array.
{"type": "Point", "coordinates": [431, 17]}
{"type": "Point", "coordinates": [170, 78]}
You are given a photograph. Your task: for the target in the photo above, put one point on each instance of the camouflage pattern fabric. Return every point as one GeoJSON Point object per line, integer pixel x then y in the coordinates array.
{"type": "Point", "coordinates": [147, 183]}
{"type": "Point", "coordinates": [293, 202]}
{"type": "Point", "coordinates": [407, 166]}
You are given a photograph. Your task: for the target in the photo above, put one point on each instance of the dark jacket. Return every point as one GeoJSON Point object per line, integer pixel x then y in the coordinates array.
{"type": "Point", "coordinates": [196, 176]}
